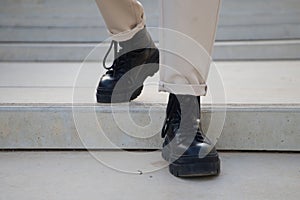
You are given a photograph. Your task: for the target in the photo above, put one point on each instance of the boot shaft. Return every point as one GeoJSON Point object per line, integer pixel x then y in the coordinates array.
{"type": "Point", "coordinates": [140, 40]}
{"type": "Point", "coordinates": [182, 116]}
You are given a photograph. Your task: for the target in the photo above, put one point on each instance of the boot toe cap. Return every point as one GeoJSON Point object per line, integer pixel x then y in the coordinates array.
{"type": "Point", "coordinates": [106, 83]}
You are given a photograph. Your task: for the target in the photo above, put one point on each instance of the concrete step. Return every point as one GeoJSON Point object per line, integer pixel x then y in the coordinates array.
{"type": "Point", "coordinates": [80, 20]}
{"type": "Point", "coordinates": [52, 105]}
{"type": "Point", "coordinates": [77, 52]}
{"type": "Point", "coordinates": [90, 175]}
{"type": "Point", "coordinates": [68, 30]}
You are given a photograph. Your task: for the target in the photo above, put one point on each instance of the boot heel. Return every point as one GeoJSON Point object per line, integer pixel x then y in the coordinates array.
{"type": "Point", "coordinates": [136, 93]}
{"type": "Point", "coordinates": [195, 169]}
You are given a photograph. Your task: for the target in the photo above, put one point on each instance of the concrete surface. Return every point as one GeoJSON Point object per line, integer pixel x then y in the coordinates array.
{"type": "Point", "coordinates": [103, 127]}
{"type": "Point", "coordinates": [260, 82]}
{"type": "Point", "coordinates": [67, 30]}
{"type": "Point", "coordinates": [78, 175]}
{"type": "Point", "coordinates": [80, 20]}
{"type": "Point", "coordinates": [36, 111]}
{"type": "Point", "coordinates": [77, 52]}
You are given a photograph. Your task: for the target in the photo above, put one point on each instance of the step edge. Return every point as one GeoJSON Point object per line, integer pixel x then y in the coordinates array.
{"type": "Point", "coordinates": [139, 107]}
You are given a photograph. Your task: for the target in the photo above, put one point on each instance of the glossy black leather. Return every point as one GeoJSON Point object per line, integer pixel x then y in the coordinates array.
{"type": "Point", "coordinates": [184, 138]}
{"type": "Point", "coordinates": [140, 54]}
{"type": "Point", "coordinates": [125, 63]}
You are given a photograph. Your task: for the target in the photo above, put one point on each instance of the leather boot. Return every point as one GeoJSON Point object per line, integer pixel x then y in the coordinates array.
{"type": "Point", "coordinates": [186, 148]}
{"type": "Point", "coordinates": [138, 58]}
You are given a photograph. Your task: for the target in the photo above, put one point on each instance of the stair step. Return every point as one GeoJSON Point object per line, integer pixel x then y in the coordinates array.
{"type": "Point", "coordinates": [57, 175]}
{"type": "Point", "coordinates": [36, 110]}
{"type": "Point", "coordinates": [77, 52]}
{"type": "Point", "coordinates": [80, 20]}
{"type": "Point", "coordinates": [50, 126]}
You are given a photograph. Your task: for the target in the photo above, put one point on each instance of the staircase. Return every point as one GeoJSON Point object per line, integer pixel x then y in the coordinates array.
{"type": "Point", "coordinates": [47, 108]}
{"type": "Point", "coordinates": [45, 105]}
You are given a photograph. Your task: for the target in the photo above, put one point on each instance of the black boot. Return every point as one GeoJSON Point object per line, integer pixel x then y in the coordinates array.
{"type": "Point", "coordinates": [138, 53]}
{"type": "Point", "coordinates": [186, 148]}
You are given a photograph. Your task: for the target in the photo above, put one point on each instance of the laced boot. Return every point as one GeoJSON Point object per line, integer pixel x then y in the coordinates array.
{"type": "Point", "coordinates": [186, 148]}
{"type": "Point", "coordinates": [138, 58]}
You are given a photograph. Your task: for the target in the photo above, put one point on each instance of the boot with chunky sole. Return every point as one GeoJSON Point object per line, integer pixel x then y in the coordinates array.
{"type": "Point", "coordinates": [137, 59]}
{"type": "Point", "coordinates": [186, 148]}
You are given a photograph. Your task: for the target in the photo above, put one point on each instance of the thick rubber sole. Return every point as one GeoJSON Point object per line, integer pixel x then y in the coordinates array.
{"type": "Point", "coordinates": [133, 92]}
{"type": "Point", "coordinates": [119, 97]}
{"type": "Point", "coordinates": [195, 169]}
{"type": "Point", "coordinates": [193, 166]}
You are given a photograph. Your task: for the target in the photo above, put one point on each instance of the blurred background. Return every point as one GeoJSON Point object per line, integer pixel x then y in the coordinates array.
{"type": "Point", "coordinates": [66, 30]}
